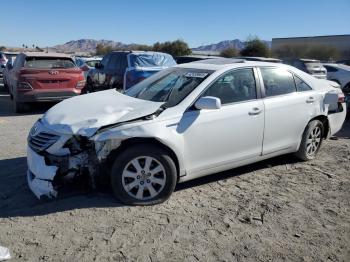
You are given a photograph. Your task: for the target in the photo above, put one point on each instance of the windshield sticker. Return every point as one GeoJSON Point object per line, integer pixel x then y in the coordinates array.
{"type": "Point", "coordinates": [197, 75]}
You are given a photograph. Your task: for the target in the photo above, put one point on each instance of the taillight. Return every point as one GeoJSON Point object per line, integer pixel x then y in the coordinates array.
{"type": "Point", "coordinates": [24, 85]}
{"type": "Point", "coordinates": [85, 68]}
{"type": "Point", "coordinates": [80, 84]}
{"type": "Point", "coordinates": [341, 98]}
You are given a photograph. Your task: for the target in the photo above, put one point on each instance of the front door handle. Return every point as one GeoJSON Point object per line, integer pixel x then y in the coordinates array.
{"type": "Point", "coordinates": [255, 111]}
{"type": "Point", "coordinates": [310, 100]}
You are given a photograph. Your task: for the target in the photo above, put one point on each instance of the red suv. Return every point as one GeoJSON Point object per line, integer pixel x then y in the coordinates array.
{"type": "Point", "coordinates": [37, 77]}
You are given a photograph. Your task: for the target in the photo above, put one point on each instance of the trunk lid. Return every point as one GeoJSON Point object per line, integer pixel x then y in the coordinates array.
{"type": "Point", "coordinates": [51, 78]}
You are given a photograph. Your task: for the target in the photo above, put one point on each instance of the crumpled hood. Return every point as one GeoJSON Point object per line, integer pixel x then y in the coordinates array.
{"type": "Point", "coordinates": [85, 114]}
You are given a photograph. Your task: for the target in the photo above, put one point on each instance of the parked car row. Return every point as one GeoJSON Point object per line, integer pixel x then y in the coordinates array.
{"type": "Point", "coordinates": [123, 69]}
{"type": "Point", "coordinates": [39, 76]}
{"type": "Point", "coordinates": [120, 70]}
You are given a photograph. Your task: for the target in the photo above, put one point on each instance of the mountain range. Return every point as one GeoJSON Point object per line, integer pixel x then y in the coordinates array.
{"type": "Point", "coordinates": [89, 45]}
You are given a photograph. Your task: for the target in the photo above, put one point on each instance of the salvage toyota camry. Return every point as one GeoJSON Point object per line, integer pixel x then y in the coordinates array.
{"type": "Point", "coordinates": [184, 122]}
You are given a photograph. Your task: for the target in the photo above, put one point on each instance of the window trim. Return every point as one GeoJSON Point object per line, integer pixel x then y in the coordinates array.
{"type": "Point", "coordinates": [258, 90]}
{"type": "Point", "coordinates": [296, 76]}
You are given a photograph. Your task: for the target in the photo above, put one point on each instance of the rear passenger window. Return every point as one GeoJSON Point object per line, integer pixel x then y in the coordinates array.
{"type": "Point", "coordinates": [235, 86]}
{"type": "Point", "coordinates": [277, 81]}
{"type": "Point", "coordinates": [301, 85]}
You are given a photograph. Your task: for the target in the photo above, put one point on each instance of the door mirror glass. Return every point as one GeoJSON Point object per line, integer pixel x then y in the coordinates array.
{"type": "Point", "coordinates": [98, 66]}
{"type": "Point", "coordinates": [208, 102]}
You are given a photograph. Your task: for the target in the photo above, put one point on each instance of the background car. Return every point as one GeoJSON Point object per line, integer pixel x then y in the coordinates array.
{"type": "Point", "coordinates": [339, 73]}
{"type": "Point", "coordinates": [310, 66]}
{"type": "Point", "coordinates": [123, 69]}
{"type": "Point", "coordinates": [3, 61]}
{"type": "Point", "coordinates": [87, 63]}
{"type": "Point", "coordinates": [192, 58]}
{"type": "Point", "coordinates": [37, 76]}
{"type": "Point", "coordinates": [344, 62]}
{"type": "Point", "coordinates": [6, 72]}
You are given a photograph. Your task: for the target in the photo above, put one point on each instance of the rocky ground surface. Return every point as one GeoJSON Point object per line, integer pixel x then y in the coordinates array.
{"type": "Point", "coordinates": [276, 210]}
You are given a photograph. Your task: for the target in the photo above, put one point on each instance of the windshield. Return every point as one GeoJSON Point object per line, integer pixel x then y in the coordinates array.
{"type": "Point", "coordinates": [171, 85]}
{"type": "Point", "coordinates": [49, 62]}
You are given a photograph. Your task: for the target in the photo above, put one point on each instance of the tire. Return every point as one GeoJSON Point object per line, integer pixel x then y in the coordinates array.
{"type": "Point", "coordinates": [134, 185]}
{"type": "Point", "coordinates": [18, 107]}
{"type": "Point", "coordinates": [89, 88]}
{"type": "Point", "coordinates": [311, 141]}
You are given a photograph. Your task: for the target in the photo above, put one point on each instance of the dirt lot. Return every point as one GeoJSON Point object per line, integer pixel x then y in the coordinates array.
{"type": "Point", "coordinates": [275, 210]}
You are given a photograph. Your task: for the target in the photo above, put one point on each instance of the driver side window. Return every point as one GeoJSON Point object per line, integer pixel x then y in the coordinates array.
{"type": "Point", "coordinates": [236, 86]}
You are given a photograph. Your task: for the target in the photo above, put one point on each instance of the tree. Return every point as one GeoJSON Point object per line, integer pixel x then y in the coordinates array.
{"type": "Point", "coordinates": [102, 49]}
{"type": "Point", "coordinates": [2, 48]}
{"type": "Point", "coordinates": [229, 52]}
{"type": "Point", "coordinates": [174, 48]}
{"type": "Point", "coordinates": [255, 47]}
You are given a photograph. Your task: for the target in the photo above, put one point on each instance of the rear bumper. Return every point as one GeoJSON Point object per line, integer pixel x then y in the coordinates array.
{"type": "Point", "coordinates": [46, 95]}
{"type": "Point", "coordinates": [336, 120]}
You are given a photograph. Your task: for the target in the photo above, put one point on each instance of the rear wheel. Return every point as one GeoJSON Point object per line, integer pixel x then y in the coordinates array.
{"type": "Point", "coordinates": [143, 175]}
{"type": "Point", "coordinates": [311, 141]}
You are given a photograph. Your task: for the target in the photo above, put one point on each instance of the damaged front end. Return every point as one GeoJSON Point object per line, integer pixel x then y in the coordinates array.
{"type": "Point", "coordinates": [54, 159]}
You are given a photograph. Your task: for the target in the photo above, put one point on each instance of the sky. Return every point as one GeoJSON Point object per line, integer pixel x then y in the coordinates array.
{"type": "Point", "coordinates": [198, 22]}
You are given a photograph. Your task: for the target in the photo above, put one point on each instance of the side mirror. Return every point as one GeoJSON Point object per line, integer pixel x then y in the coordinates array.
{"type": "Point", "coordinates": [9, 66]}
{"type": "Point", "coordinates": [208, 102]}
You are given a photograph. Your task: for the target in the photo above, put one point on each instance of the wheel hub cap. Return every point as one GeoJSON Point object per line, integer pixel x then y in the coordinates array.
{"type": "Point", "coordinates": [143, 178]}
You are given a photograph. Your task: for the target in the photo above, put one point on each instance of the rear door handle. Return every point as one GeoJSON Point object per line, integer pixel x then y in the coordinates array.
{"type": "Point", "coordinates": [255, 111]}
{"type": "Point", "coordinates": [310, 100]}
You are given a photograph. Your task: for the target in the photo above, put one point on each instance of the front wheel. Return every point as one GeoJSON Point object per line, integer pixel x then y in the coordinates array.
{"type": "Point", "coordinates": [311, 141]}
{"type": "Point", "coordinates": [143, 175]}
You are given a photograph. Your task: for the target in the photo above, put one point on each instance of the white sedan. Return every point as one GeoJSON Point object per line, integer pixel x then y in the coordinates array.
{"type": "Point", "coordinates": [184, 122]}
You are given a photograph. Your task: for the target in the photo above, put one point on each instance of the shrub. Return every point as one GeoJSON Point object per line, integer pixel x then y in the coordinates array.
{"type": "Point", "coordinates": [229, 52]}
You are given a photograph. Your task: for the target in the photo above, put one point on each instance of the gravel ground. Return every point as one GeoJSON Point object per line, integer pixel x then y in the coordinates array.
{"type": "Point", "coordinates": [276, 210]}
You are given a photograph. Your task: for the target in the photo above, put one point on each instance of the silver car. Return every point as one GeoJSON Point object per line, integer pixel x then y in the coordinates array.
{"type": "Point", "coordinates": [310, 66]}
{"type": "Point", "coordinates": [184, 122]}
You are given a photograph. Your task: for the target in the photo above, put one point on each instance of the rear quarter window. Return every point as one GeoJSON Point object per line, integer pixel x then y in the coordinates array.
{"type": "Point", "coordinates": [301, 85]}
{"type": "Point", "coordinates": [277, 81]}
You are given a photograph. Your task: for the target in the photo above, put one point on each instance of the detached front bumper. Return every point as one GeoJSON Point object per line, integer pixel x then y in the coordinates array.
{"type": "Point", "coordinates": [40, 176]}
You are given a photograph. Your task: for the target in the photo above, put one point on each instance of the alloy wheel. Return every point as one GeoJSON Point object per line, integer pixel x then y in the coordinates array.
{"type": "Point", "coordinates": [313, 141]}
{"type": "Point", "coordinates": [143, 178]}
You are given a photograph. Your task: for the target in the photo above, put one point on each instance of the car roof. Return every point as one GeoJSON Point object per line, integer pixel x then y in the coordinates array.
{"type": "Point", "coordinates": [261, 58]}
{"type": "Point", "coordinates": [44, 54]}
{"type": "Point", "coordinates": [138, 52]}
{"type": "Point", "coordinates": [222, 63]}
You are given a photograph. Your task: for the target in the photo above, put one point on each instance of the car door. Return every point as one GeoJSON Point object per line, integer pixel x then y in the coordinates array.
{"type": "Point", "coordinates": [219, 138]}
{"type": "Point", "coordinates": [287, 111]}
{"type": "Point", "coordinates": [117, 65]}
{"type": "Point", "coordinates": [100, 77]}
